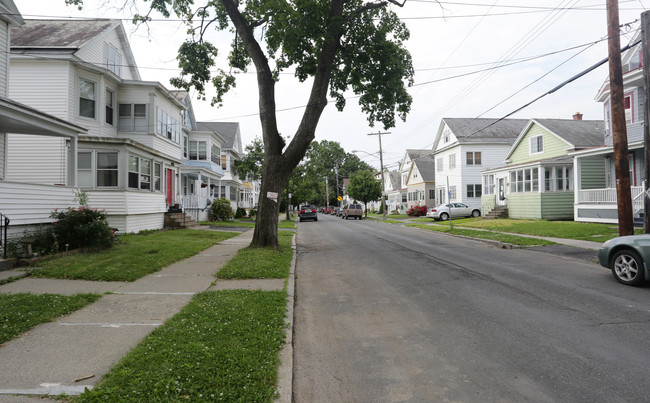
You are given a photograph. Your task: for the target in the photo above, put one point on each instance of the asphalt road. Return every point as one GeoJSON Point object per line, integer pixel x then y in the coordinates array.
{"type": "Point", "coordinates": [391, 314]}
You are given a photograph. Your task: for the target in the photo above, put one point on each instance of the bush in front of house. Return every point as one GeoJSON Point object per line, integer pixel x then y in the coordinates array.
{"type": "Point", "coordinates": [82, 227]}
{"type": "Point", "coordinates": [220, 210]}
{"type": "Point", "coordinates": [240, 213]}
{"type": "Point", "coordinates": [417, 211]}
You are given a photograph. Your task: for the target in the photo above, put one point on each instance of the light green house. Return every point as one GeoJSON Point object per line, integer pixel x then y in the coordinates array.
{"type": "Point", "coordinates": [537, 180]}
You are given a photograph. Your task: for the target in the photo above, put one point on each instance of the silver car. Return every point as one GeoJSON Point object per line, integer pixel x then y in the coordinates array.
{"type": "Point", "coordinates": [444, 211]}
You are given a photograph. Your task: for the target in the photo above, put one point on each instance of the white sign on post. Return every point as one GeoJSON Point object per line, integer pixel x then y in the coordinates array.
{"type": "Point", "coordinates": [272, 195]}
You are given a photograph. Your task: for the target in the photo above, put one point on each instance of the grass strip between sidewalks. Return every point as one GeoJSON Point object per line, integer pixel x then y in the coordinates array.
{"type": "Point", "coordinates": [223, 346]}
{"type": "Point", "coordinates": [21, 312]}
{"type": "Point", "coordinates": [282, 223]}
{"type": "Point", "coordinates": [133, 257]}
{"type": "Point", "coordinates": [260, 263]}
{"type": "Point", "coordinates": [494, 236]}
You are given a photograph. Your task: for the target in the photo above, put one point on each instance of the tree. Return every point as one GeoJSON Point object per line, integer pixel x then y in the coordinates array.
{"type": "Point", "coordinates": [251, 165]}
{"type": "Point", "coordinates": [337, 44]}
{"type": "Point", "coordinates": [364, 187]}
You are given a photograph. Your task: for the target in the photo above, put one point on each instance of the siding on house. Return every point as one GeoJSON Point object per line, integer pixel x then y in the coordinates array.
{"type": "Point", "coordinates": [553, 146]}
{"type": "Point", "coordinates": [557, 205]}
{"type": "Point", "coordinates": [36, 159]}
{"type": "Point", "coordinates": [43, 85]}
{"type": "Point", "coordinates": [3, 138]}
{"type": "Point", "coordinates": [592, 173]}
{"type": "Point", "coordinates": [524, 206]}
{"type": "Point", "coordinates": [4, 58]}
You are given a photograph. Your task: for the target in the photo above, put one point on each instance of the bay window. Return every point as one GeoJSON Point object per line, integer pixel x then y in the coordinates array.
{"type": "Point", "coordinates": [133, 117]}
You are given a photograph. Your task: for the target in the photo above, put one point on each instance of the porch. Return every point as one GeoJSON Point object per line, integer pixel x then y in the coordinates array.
{"type": "Point", "coordinates": [600, 205]}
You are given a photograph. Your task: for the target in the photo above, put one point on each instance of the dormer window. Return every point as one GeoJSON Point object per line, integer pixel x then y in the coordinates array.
{"type": "Point", "coordinates": [537, 144]}
{"type": "Point", "coordinates": [112, 59]}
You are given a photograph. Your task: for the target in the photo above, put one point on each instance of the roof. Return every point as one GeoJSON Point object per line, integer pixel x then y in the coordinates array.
{"type": "Point", "coordinates": [228, 130]}
{"type": "Point", "coordinates": [58, 34]}
{"type": "Point", "coordinates": [9, 13]}
{"type": "Point", "coordinates": [395, 179]}
{"type": "Point", "coordinates": [579, 133]}
{"type": "Point", "coordinates": [427, 169]}
{"type": "Point", "coordinates": [413, 154]}
{"type": "Point", "coordinates": [483, 130]}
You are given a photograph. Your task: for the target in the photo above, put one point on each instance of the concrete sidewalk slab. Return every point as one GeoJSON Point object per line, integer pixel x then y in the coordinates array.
{"type": "Point", "coordinates": [56, 286]}
{"type": "Point", "coordinates": [162, 283]}
{"type": "Point", "coordinates": [255, 284]}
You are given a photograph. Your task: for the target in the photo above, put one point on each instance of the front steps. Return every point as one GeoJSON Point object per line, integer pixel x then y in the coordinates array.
{"type": "Point", "coordinates": [497, 212]}
{"type": "Point", "coordinates": [179, 220]}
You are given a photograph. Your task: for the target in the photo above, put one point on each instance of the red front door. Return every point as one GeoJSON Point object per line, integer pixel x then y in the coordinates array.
{"type": "Point", "coordinates": [169, 187]}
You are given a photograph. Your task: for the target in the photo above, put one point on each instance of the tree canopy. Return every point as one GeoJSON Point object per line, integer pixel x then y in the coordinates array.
{"type": "Point", "coordinates": [364, 188]}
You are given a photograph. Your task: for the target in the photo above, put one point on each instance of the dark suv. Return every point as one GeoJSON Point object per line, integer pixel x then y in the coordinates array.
{"type": "Point", "coordinates": [307, 213]}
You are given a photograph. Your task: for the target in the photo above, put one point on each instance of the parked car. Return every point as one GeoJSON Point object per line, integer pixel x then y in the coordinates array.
{"type": "Point", "coordinates": [444, 211]}
{"type": "Point", "coordinates": [339, 212]}
{"type": "Point", "coordinates": [352, 210]}
{"type": "Point", "coordinates": [307, 213]}
{"type": "Point", "coordinates": [626, 257]}
{"type": "Point", "coordinates": [335, 211]}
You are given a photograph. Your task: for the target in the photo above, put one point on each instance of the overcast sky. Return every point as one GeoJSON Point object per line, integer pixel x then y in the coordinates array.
{"type": "Point", "coordinates": [534, 45]}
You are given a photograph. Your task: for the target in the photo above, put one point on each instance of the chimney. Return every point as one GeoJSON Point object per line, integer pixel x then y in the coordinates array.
{"type": "Point", "coordinates": [577, 116]}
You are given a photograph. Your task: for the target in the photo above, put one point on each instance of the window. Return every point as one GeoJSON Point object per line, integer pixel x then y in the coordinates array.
{"type": "Point", "coordinates": [233, 193]}
{"type": "Point", "coordinates": [537, 144]}
{"type": "Point", "coordinates": [404, 198]}
{"type": "Point", "coordinates": [452, 161]}
{"type": "Point", "coordinates": [224, 160]}
{"type": "Point", "coordinates": [488, 182]}
{"type": "Point", "coordinates": [157, 175]}
{"type": "Point", "coordinates": [439, 165]}
{"type": "Point", "coordinates": [215, 154]}
{"type": "Point", "coordinates": [432, 194]}
{"type": "Point", "coordinates": [133, 117]}
{"type": "Point", "coordinates": [558, 179]}
{"type": "Point", "coordinates": [167, 126]}
{"type": "Point", "coordinates": [446, 135]}
{"type": "Point", "coordinates": [84, 169]}
{"type": "Point", "coordinates": [109, 107]}
{"type": "Point", "coordinates": [198, 150]}
{"type": "Point", "coordinates": [87, 99]}
{"type": "Point", "coordinates": [186, 146]}
{"type": "Point", "coordinates": [473, 158]}
{"type": "Point", "coordinates": [139, 173]}
{"type": "Point", "coordinates": [112, 59]}
{"type": "Point", "coordinates": [441, 195]}
{"type": "Point", "coordinates": [522, 180]}
{"type": "Point", "coordinates": [474, 190]}
{"type": "Point", "coordinates": [106, 169]}
{"type": "Point", "coordinates": [627, 101]}
{"type": "Point", "coordinates": [452, 193]}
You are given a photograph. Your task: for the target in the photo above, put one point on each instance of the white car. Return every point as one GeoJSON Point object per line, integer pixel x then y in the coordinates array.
{"type": "Point", "coordinates": [444, 211]}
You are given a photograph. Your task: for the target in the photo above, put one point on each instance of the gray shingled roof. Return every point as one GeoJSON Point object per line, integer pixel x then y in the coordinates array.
{"type": "Point", "coordinates": [58, 34]}
{"type": "Point", "coordinates": [580, 133]}
{"type": "Point", "coordinates": [395, 180]}
{"type": "Point", "coordinates": [413, 154]}
{"type": "Point", "coordinates": [227, 130]}
{"type": "Point", "coordinates": [481, 130]}
{"type": "Point", "coordinates": [427, 168]}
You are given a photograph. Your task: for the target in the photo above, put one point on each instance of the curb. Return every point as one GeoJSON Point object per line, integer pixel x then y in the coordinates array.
{"type": "Point", "coordinates": [285, 371]}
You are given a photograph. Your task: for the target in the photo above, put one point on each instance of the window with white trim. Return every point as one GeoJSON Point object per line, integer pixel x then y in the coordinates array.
{"type": "Point", "coordinates": [133, 117]}
{"type": "Point", "coordinates": [473, 157]}
{"type": "Point", "coordinates": [139, 173]}
{"type": "Point", "coordinates": [186, 146]}
{"type": "Point", "coordinates": [198, 150]}
{"type": "Point", "coordinates": [452, 161]}
{"type": "Point", "coordinates": [157, 176]}
{"type": "Point", "coordinates": [440, 165]}
{"type": "Point", "coordinates": [524, 180]}
{"type": "Point", "coordinates": [86, 98]}
{"type": "Point", "coordinates": [104, 166]}
{"type": "Point", "coordinates": [84, 170]}
{"type": "Point", "coordinates": [215, 154]}
{"type": "Point", "coordinates": [167, 126]}
{"type": "Point", "coordinates": [628, 102]}
{"type": "Point", "coordinates": [452, 193]}
{"type": "Point", "coordinates": [112, 59]}
{"type": "Point", "coordinates": [474, 190]}
{"type": "Point", "coordinates": [488, 184]}
{"type": "Point", "coordinates": [110, 108]}
{"type": "Point", "coordinates": [537, 144]}
{"type": "Point", "coordinates": [558, 179]}
{"type": "Point", "coordinates": [432, 194]}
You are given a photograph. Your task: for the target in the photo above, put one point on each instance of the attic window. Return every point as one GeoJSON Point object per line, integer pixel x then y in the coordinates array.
{"type": "Point", "coordinates": [112, 59]}
{"type": "Point", "coordinates": [537, 144]}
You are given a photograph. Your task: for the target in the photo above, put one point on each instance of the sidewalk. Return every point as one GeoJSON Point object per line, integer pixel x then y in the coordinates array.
{"type": "Point", "coordinates": [74, 352]}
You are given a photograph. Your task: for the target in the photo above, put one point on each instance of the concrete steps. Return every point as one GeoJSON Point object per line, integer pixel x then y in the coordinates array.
{"type": "Point", "coordinates": [497, 212]}
{"type": "Point", "coordinates": [179, 220]}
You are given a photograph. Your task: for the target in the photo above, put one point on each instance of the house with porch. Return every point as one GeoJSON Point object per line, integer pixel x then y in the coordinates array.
{"type": "Point", "coordinates": [397, 193]}
{"type": "Point", "coordinates": [420, 182]}
{"type": "Point", "coordinates": [537, 181]}
{"type": "Point", "coordinates": [26, 205]}
{"type": "Point", "coordinates": [405, 168]}
{"type": "Point", "coordinates": [130, 158]}
{"type": "Point", "coordinates": [463, 148]}
{"type": "Point", "coordinates": [595, 178]}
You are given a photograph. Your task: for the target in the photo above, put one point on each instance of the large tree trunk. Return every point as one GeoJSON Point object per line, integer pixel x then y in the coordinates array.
{"type": "Point", "coordinates": [274, 180]}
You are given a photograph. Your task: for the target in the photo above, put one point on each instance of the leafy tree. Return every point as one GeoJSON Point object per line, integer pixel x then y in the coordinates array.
{"type": "Point", "coordinates": [337, 45]}
{"type": "Point", "coordinates": [251, 164]}
{"type": "Point", "coordinates": [364, 187]}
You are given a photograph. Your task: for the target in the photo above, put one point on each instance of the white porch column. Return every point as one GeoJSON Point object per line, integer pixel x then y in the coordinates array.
{"type": "Point", "coordinates": [577, 183]}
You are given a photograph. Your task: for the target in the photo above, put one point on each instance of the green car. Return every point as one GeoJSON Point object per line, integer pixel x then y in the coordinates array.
{"type": "Point", "coordinates": [626, 256]}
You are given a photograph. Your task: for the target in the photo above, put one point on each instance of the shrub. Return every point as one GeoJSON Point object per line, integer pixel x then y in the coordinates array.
{"type": "Point", "coordinates": [220, 210]}
{"type": "Point", "coordinates": [417, 211]}
{"type": "Point", "coordinates": [240, 213]}
{"type": "Point", "coordinates": [252, 213]}
{"type": "Point", "coordinates": [83, 227]}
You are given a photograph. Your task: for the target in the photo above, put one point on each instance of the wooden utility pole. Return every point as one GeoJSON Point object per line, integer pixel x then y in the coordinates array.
{"type": "Point", "coordinates": [381, 165]}
{"type": "Point", "coordinates": [619, 129]}
{"type": "Point", "coordinates": [645, 36]}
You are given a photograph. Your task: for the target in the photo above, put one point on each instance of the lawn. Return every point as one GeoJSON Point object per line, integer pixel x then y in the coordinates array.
{"type": "Point", "coordinates": [389, 216]}
{"type": "Point", "coordinates": [21, 312]}
{"type": "Point", "coordinates": [560, 229]}
{"type": "Point", "coordinates": [494, 236]}
{"type": "Point", "coordinates": [223, 346]}
{"type": "Point", "coordinates": [133, 257]}
{"type": "Point", "coordinates": [260, 263]}
{"type": "Point", "coordinates": [282, 223]}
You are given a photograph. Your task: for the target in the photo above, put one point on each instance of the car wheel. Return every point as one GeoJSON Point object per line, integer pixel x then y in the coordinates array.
{"type": "Point", "coordinates": [627, 267]}
{"type": "Point", "coordinates": [476, 213]}
{"type": "Point", "coordinates": [360, 218]}
{"type": "Point", "coordinates": [316, 219]}
{"type": "Point", "coordinates": [444, 216]}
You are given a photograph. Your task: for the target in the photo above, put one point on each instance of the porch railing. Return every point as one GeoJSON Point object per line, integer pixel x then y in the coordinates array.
{"type": "Point", "coordinates": [4, 225]}
{"type": "Point", "coordinates": [607, 195]}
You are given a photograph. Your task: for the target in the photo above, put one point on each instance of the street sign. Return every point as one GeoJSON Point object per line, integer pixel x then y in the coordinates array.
{"type": "Point", "coordinates": [339, 198]}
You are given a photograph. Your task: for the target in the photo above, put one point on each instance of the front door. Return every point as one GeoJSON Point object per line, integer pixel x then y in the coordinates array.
{"type": "Point", "coordinates": [501, 192]}
{"type": "Point", "coordinates": [169, 186]}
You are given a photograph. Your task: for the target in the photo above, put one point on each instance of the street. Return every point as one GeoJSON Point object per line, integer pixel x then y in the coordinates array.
{"type": "Point", "coordinates": [390, 314]}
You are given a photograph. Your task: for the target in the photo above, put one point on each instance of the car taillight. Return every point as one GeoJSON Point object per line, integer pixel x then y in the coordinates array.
{"type": "Point", "coordinates": [302, 211]}
{"type": "Point", "coordinates": [313, 211]}
{"type": "Point", "coordinates": [433, 210]}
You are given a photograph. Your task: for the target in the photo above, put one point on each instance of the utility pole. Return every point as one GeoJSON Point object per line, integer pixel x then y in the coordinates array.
{"type": "Point", "coordinates": [645, 35]}
{"type": "Point", "coordinates": [621, 164]}
{"type": "Point", "coordinates": [327, 194]}
{"type": "Point", "coordinates": [381, 164]}
{"type": "Point", "coordinates": [336, 170]}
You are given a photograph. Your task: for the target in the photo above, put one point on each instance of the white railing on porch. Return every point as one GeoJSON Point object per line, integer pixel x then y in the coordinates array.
{"type": "Point", "coordinates": [192, 202]}
{"type": "Point", "coordinates": [607, 195]}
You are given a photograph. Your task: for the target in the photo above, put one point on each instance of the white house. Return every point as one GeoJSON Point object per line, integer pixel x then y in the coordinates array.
{"type": "Point", "coordinates": [464, 147]}
{"type": "Point", "coordinates": [25, 205]}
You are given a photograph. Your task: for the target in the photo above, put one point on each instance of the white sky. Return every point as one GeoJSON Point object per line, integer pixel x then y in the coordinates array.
{"type": "Point", "coordinates": [444, 36]}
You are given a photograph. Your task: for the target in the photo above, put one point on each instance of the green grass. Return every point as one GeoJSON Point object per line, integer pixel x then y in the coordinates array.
{"type": "Point", "coordinates": [389, 216]}
{"type": "Point", "coordinates": [494, 236]}
{"type": "Point", "coordinates": [260, 263]}
{"type": "Point", "coordinates": [21, 312]}
{"type": "Point", "coordinates": [223, 346]}
{"type": "Point", "coordinates": [133, 257]}
{"type": "Point", "coordinates": [560, 229]}
{"type": "Point", "coordinates": [282, 223]}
